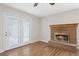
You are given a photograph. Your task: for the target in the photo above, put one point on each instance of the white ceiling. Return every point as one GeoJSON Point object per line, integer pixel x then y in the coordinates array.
{"type": "Point", "coordinates": [44, 9]}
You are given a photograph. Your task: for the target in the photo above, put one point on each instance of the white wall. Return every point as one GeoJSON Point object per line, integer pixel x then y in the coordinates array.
{"type": "Point", "coordinates": [33, 20]}
{"type": "Point", "coordinates": [1, 28]}
{"type": "Point", "coordinates": [61, 18]}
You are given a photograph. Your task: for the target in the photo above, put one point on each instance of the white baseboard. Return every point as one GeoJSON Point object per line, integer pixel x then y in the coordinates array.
{"type": "Point", "coordinates": [44, 41]}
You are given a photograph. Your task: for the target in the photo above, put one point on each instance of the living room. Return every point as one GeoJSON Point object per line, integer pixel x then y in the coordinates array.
{"type": "Point", "coordinates": [24, 27]}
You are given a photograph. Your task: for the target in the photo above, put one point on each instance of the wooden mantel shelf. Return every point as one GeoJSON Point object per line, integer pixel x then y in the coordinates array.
{"type": "Point", "coordinates": [64, 24]}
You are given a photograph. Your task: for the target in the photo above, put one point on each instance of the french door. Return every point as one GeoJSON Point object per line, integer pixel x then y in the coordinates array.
{"type": "Point", "coordinates": [13, 32]}
{"type": "Point", "coordinates": [26, 30]}
{"type": "Point", "coordinates": [16, 32]}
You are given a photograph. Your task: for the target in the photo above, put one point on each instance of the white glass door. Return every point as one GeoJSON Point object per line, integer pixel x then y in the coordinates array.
{"type": "Point", "coordinates": [16, 32]}
{"type": "Point", "coordinates": [13, 32]}
{"type": "Point", "coordinates": [26, 31]}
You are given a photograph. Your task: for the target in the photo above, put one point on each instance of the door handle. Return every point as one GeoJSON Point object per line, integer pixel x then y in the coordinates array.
{"type": "Point", "coordinates": [5, 33]}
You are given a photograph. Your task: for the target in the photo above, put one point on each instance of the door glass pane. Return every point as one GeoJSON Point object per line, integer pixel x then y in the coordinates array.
{"type": "Point", "coordinates": [25, 31]}
{"type": "Point", "coordinates": [12, 32]}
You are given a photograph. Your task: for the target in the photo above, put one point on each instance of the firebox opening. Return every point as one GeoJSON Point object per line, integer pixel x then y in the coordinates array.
{"type": "Point", "coordinates": [63, 38]}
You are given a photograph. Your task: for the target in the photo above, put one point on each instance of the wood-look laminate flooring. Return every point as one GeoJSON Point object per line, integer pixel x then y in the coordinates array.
{"type": "Point", "coordinates": [38, 49]}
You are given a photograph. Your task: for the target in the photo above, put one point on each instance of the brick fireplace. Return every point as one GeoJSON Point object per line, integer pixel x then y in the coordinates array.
{"type": "Point", "coordinates": [63, 36]}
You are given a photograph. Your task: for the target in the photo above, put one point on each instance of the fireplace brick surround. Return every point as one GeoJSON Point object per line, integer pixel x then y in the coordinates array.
{"type": "Point", "coordinates": [63, 36]}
